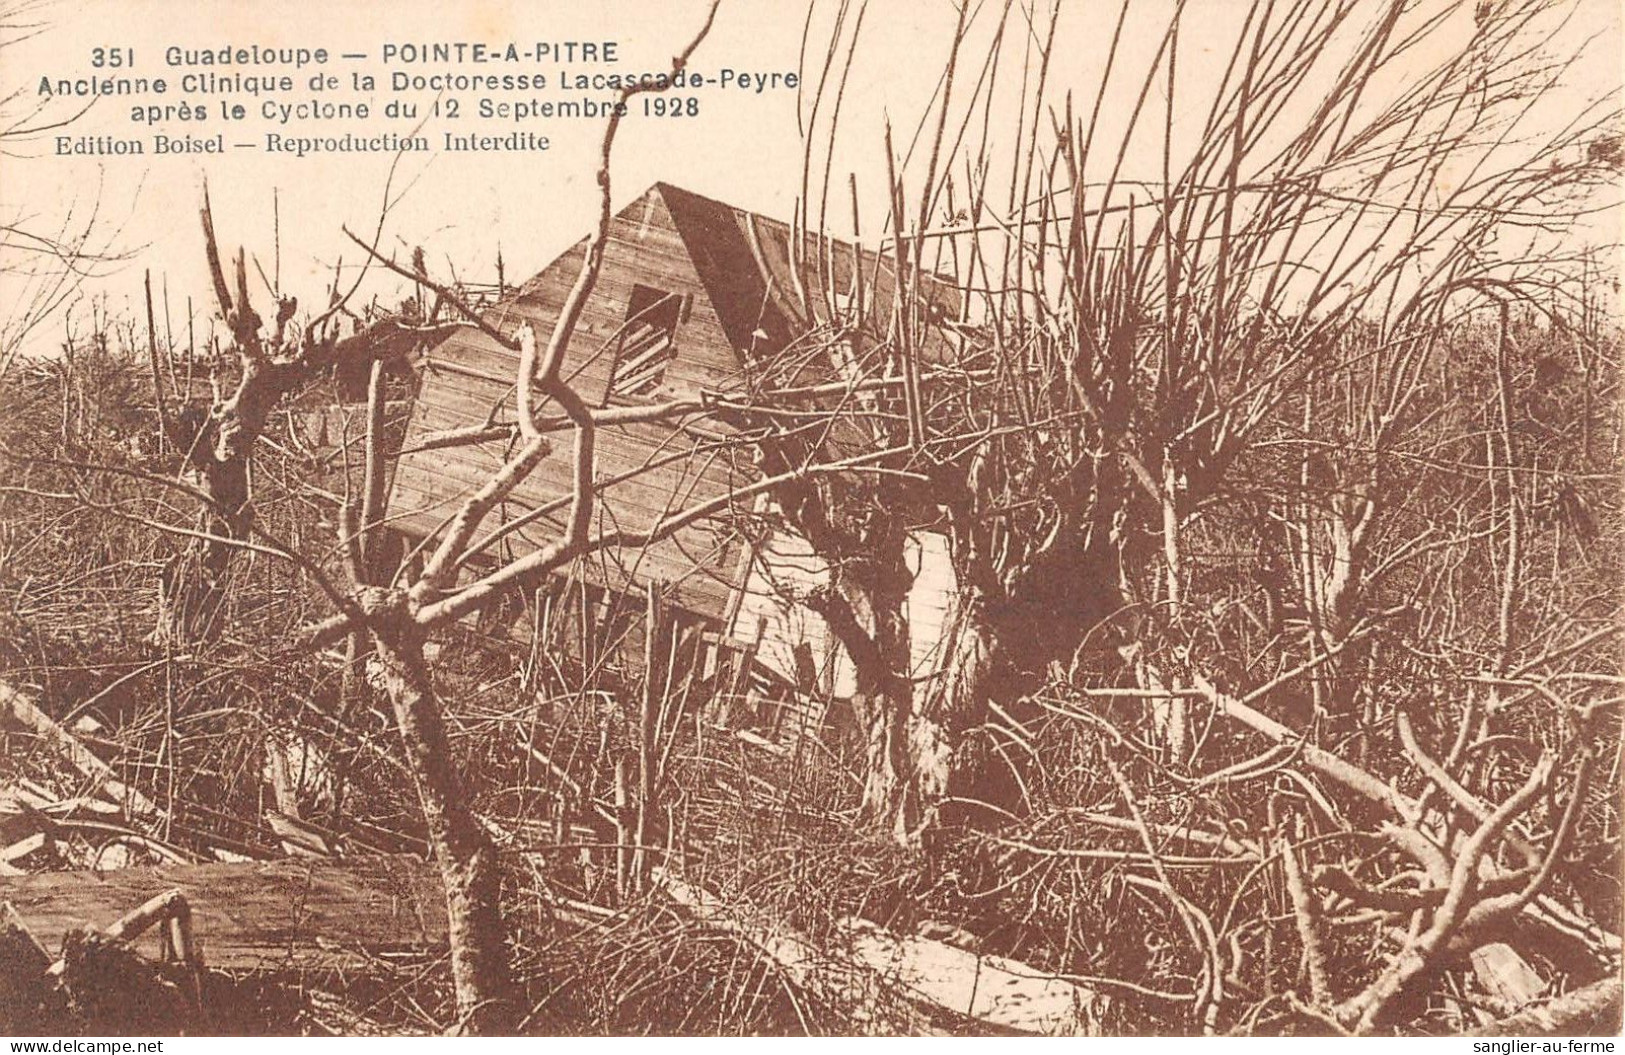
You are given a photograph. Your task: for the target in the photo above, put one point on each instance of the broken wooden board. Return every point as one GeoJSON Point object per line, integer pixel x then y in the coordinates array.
{"type": "Point", "coordinates": [24, 712]}
{"type": "Point", "coordinates": [274, 914]}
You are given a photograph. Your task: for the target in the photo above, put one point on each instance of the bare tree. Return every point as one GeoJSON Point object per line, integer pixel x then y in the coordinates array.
{"type": "Point", "coordinates": [1141, 338]}
{"type": "Point", "coordinates": [45, 258]}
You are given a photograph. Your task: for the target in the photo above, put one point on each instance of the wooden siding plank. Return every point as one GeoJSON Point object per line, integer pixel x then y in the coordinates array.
{"type": "Point", "coordinates": [285, 914]}
{"type": "Point", "coordinates": [693, 559]}
{"type": "Point", "coordinates": [646, 493]}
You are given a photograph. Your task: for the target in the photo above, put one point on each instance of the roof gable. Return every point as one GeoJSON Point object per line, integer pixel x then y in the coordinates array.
{"type": "Point", "coordinates": [729, 253]}
{"type": "Point", "coordinates": [762, 297]}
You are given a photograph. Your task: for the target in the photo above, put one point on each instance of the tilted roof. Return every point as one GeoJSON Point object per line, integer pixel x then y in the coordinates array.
{"type": "Point", "coordinates": [762, 296]}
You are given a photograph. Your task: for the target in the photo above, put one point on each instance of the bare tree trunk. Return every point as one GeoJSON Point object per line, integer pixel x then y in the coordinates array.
{"type": "Point", "coordinates": [463, 850]}
{"type": "Point", "coordinates": [1012, 621]}
{"type": "Point", "coordinates": [192, 586]}
{"type": "Point", "coordinates": [974, 673]}
{"type": "Point", "coordinates": [902, 752]}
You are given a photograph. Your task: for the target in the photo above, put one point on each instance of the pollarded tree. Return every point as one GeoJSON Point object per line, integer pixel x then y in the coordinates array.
{"type": "Point", "coordinates": [216, 447]}
{"type": "Point", "coordinates": [1139, 336]}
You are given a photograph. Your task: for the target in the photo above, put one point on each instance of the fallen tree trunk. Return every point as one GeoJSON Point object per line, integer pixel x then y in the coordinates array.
{"type": "Point", "coordinates": [837, 983]}
{"type": "Point", "coordinates": [1592, 1010]}
{"type": "Point", "coordinates": [992, 990]}
{"type": "Point", "coordinates": [283, 914]}
{"type": "Point", "coordinates": [871, 972]}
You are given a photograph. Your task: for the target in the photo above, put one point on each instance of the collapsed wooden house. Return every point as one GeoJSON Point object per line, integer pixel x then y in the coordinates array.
{"type": "Point", "coordinates": [694, 296]}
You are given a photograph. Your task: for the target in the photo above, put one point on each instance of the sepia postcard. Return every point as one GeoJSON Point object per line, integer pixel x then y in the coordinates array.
{"type": "Point", "coordinates": [884, 518]}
